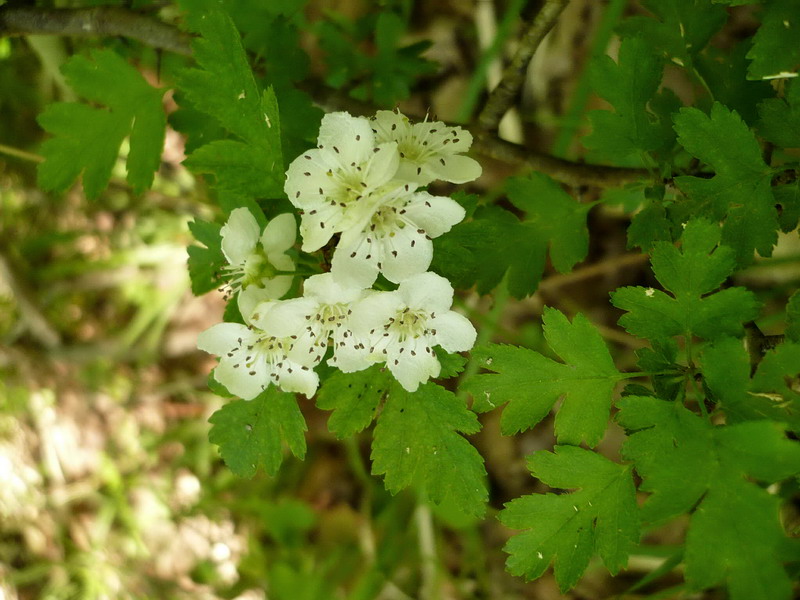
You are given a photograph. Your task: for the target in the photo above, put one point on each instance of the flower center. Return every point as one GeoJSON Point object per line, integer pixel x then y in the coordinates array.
{"type": "Point", "coordinates": [408, 323]}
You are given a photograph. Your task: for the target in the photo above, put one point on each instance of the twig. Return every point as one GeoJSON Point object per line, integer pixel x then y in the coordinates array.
{"type": "Point", "coordinates": [503, 95]}
{"type": "Point", "coordinates": [17, 153]}
{"type": "Point", "coordinates": [610, 265]}
{"type": "Point", "coordinates": [427, 551]}
{"type": "Point", "coordinates": [99, 21]}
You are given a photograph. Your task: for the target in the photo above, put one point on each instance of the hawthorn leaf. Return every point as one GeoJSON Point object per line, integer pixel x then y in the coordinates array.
{"type": "Point", "coordinates": [566, 529]}
{"type": "Point", "coordinates": [775, 52]}
{"type": "Point", "coordinates": [205, 261]}
{"type": "Point", "coordinates": [531, 383]}
{"type": "Point", "coordinates": [223, 87]}
{"type": "Point", "coordinates": [87, 139]}
{"type": "Point", "coordinates": [417, 442]}
{"type": "Point", "coordinates": [354, 399]}
{"type": "Point", "coordinates": [740, 192]}
{"type": "Point", "coordinates": [779, 118]}
{"type": "Point", "coordinates": [249, 432]}
{"type": "Point", "coordinates": [699, 267]}
{"type": "Point", "coordinates": [793, 318]}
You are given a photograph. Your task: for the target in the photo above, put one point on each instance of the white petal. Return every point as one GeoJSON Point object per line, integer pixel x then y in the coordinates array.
{"type": "Point", "coordinates": [222, 338]}
{"type": "Point", "coordinates": [382, 165]}
{"type": "Point", "coordinates": [455, 169]}
{"type": "Point", "coordinates": [306, 176]}
{"type": "Point", "coordinates": [288, 317]}
{"type": "Point", "coordinates": [279, 234]}
{"type": "Point", "coordinates": [411, 370]}
{"type": "Point", "coordinates": [428, 291]}
{"type": "Point", "coordinates": [454, 332]}
{"type": "Point", "coordinates": [239, 235]}
{"type": "Point", "coordinates": [374, 311]}
{"type": "Point", "coordinates": [294, 378]}
{"type": "Point", "coordinates": [406, 254]}
{"type": "Point", "coordinates": [355, 265]}
{"type": "Point", "coordinates": [390, 125]}
{"type": "Point", "coordinates": [281, 261]}
{"type": "Point", "coordinates": [251, 297]}
{"type": "Point", "coordinates": [350, 358]}
{"type": "Point", "coordinates": [351, 136]}
{"type": "Point", "coordinates": [326, 289]}
{"type": "Point", "coordinates": [435, 214]}
{"type": "Point", "coordinates": [318, 228]}
{"type": "Point", "coordinates": [436, 132]}
{"type": "Point", "coordinates": [245, 382]}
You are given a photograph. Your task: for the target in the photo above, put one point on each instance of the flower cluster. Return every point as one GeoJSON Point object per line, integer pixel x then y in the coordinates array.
{"type": "Point", "coordinates": [363, 183]}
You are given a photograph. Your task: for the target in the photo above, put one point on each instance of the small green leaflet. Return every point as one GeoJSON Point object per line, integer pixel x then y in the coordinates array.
{"type": "Point", "coordinates": [354, 399]}
{"type": "Point", "coordinates": [205, 262]}
{"type": "Point", "coordinates": [735, 534]}
{"type": "Point", "coordinates": [87, 139]}
{"type": "Point", "coordinates": [793, 318]}
{"type": "Point", "coordinates": [629, 86]}
{"type": "Point", "coordinates": [249, 432]}
{"type": "Point", "coordinates": [740, 191]}
{"type": "Point", "coordinates": [769, 395]}
{"type": "Point", "coordinates": [699, 267]}
{"type": "Point", "coordinates": [775, 52]}
{"type": "Point", "coordinates": [566, 529]}
{"type": "Point", "coordinates": [417, 442]}
{"type": "Point", "coordinates": [531, 383]}
{"type": "Point", "coordinates": [495, 242]}
{"type": "Point", "coordinates": [780, 117]}
{"type": "Point", "coordinates": [224, 88]}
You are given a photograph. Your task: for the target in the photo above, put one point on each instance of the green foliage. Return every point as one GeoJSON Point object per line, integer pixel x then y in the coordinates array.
{"type": "Point", "coordinates": [684, 459]}
{"type": "Point", "coordinates": [495, 243]}
{"type": "Point", "coordinates": [354, 399]}
{"type": "Point", "coordinates": [417, 442]}
{"type": "Point", "coordinates": [775, 52]}
{"type": "Point", "coordinates": [531, 383]}
{"type": "Point", "coordinates": [740, 190]}
{"type": "Point", "coordinates": [699, 267]}
{"type": "Point", "coordinates": [567, 529]}
{"type": "Point", "coordinates": [224, 88]}
{"type": "Point", "coordinates": [249, 433]}
{"type": "Point", "coordinates": [87, 139]}
{"type": "Point", "coordinates": [780, 118]}
{"type": "Point", "coordinates": [205, 262]}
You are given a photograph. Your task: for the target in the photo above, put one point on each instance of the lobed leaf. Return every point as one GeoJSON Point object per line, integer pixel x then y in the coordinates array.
{"type": "Point", "coordinates": [354, 399]}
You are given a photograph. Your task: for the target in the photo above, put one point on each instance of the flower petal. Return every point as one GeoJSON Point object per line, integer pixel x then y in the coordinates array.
{"type": "Point", "coordinates": [240, 380]}
{"type": "Point", "coordinates": [281, 261]}
{"type": "Point", "coordinates": [382, 165]}
{"type": "Point", "coordinates": [435, 214]}
{"type": "Point", "coordinates": [286, 318]}
{"type": "Point", "coordinates": [390, 126]}
{"type": "Point", "coordinates": [455, 169]}
{"type": "Point", "coordinates": [351, 136]}
{"type": "Point", "coordinates": [374, 311]}
{"type": "Point", "coordinates": [454, 332]}
{"type": "Point", "coordinates": [412, 370]}
{"type": "Point", "coordinates": [239, 235]}
{"type": "Point", "coordinates": [408, 253]}
{"type": "Point", "coordinates": [427, 291]}
{"type": "Point", "coordinates": [279, 234]}
{"type": "Point", "coordinates": [327, 290]}
{"type": "Point", "coordinates": [298, 378]}
{"type": "Point", "coordinates": [355, 265]}
{"type": "Point", "coordinates": [222, 338]}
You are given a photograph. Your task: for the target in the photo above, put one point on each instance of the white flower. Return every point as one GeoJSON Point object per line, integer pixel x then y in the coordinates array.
{"type": "Point", "coordinates": [251, 359]}
{"type": "Point", "coordinates": [253, 271]}
{"type": "Point", "coordinates": [322, 314]}
{"type": "Point", "coordinates": [402, 327]}
{"type": "Point", "coordinates": [428, 150]}
{"type": "Point", "coordinates": [394, 238]}
{"type": "Point", "coordinates": [329, 183]}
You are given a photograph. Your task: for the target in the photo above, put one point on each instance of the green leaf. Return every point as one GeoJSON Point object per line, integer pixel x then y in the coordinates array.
{"type": "Point", "coordinates": [740, 191]}
{"type": "Point", "coordinates": [567, 529]}
{"type": "Point", "coordinates": [793, 318]}
{"type": "Point", "coordinates": [205, 262]}
{"type": "Point", "coordinates": [249, 432]}
{"type": "Point", "coordinates": [531, 383]}
{"type": "Point", "coordinates": [775, 52]}
{"type": "Point", "coordinates": [699, 267]}
{"type": "Point", "coordinates": [628, 85]}
{"type": "Point", "coordinates": [495, 242]}
{"type": "Point", "coordinates": [735, 534]}
{"type": "Point", "coordinates": [87, 139]}
{"type": "Point", "coordinates": [417, 442]}
{"type": "Point", "coordinates": [224, 88]}
{"type": "Point", "coordinates": [354, 399]}
{"type": "Point", "coordinates": [780, 118]}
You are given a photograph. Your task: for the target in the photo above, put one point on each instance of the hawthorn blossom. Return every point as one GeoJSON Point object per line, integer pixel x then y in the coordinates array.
{"type": "Point", "coordinates": [428, 150]}
{"type": "Point", "coordinates": [394, 238]}
{"type": "Point", "coordinates": [330, 182]}
{"type": "Point", "coordinates": [251, 359]}
{"type": "Point", "coordinates": [321, 316]}
{"type": "Point", "coordinates": [403, 326]}
{"type": "Point", "coordinates": [253, 271]}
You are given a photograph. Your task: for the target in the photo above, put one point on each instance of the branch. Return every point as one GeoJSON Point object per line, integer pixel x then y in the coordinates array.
{"type": "Point", "coordinates": [503, 95]}
{"type": "Point", "coordinates": [99, 21]}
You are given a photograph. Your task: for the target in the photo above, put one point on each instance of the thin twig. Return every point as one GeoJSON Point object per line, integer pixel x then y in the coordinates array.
{"type": "Point", "coordinates": [504, 94]}
{"type": "Point", "coordinates": [98, 21]}
{"type": "Point", "coordinates": [17, 153]}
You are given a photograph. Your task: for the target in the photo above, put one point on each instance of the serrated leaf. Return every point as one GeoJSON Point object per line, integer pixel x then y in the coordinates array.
{"type": "Point", "coordinates": [682, 458]}
{"type": "Point", "coordinates": [567, 529]}
{"type": "Point", "coordinates": [496, 243]}
{"type": "Point", "coordinates": [690, 273]}
{"type": "Point", "coordinates": [531, 383]}
{"type": "Point", "coordinates": [793, 318]}
{"type": "Point", "coordinates": [779, 120]}
{"type": "Point", "coordinates": [417, 442]}
{"type": "Point", "coordinates": [354, 399]}
{"type": "Point", "coordinates": [628, 85]}
{"type": "Point", "coordinates": [249, 432]}
{"type": "Point", "coordinates": [775, 51]}
{"type": "Point", "coordinates": [740, 192]}
{"type": "Point", "coordinates": [205, 262]}
{"type": "Point", "coordinates": [87, 140]}
{"type": "Point", "coordinates": [224, 88]}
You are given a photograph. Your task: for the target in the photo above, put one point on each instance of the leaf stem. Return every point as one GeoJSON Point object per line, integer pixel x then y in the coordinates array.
{"type": "Point", "coordinates": [17, 153]}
